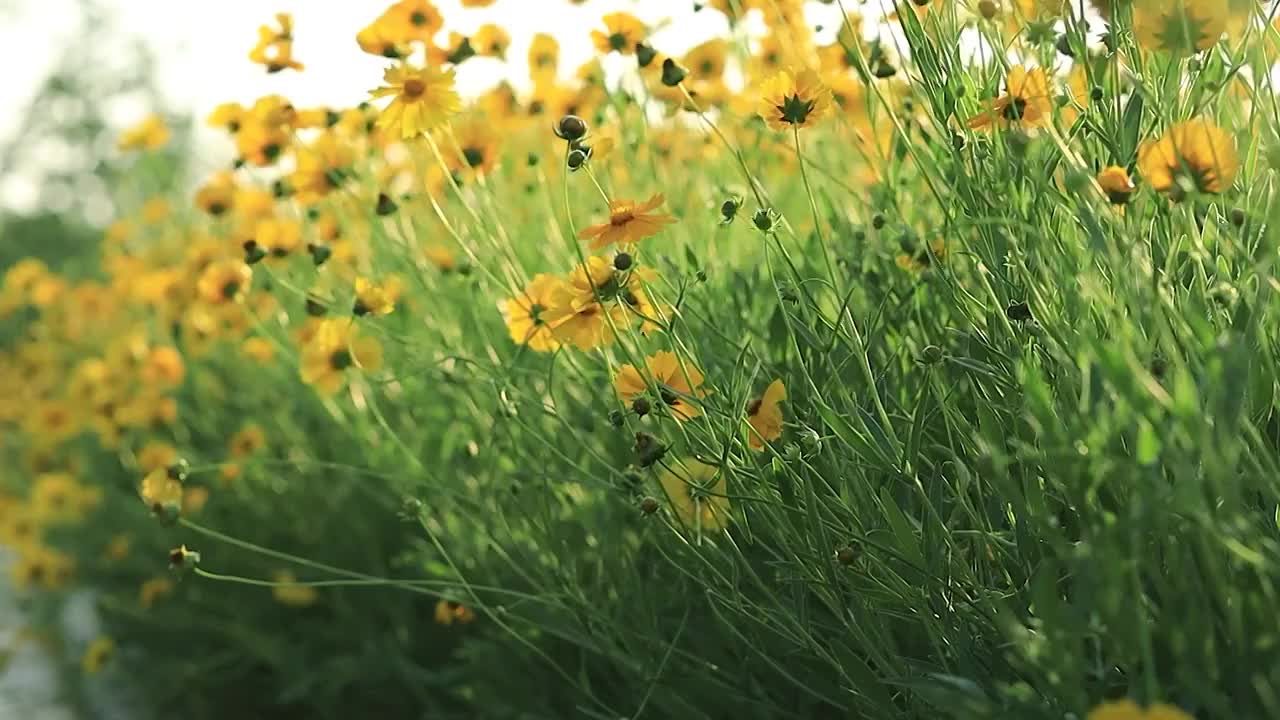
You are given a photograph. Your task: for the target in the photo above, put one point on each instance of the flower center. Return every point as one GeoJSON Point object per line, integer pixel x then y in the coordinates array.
{"type": "Point", "coordinates": [535, 313]}
{"type": "Point", "coordinates": [229, 289]}
{"type": "Point", "coordinates": [341, 359]}
{"type": "Point", "coordinates": [617, 41]}
{"type": "Point", "coordinates": [418, 18]}
{"type": "Point", "coordinates": [414, 88]}
{"type": "Point", "coordinates": [474, 156]}
{"type": "Point", "coordinates": [621, 217]}
{"type": "Point", "coordinates": [1016, 109]}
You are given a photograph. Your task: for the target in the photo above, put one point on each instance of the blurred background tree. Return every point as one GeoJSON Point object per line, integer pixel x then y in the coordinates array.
{"type": "Point", "coordinates": [60, 161]}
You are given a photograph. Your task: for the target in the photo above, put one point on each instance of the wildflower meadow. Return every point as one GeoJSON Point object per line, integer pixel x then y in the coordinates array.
{"type": "Point", "coordinates": [923, 365]}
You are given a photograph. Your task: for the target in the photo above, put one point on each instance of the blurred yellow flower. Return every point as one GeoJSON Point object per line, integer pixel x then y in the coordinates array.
{"type": "Point", "coordinates": [1193, 156]}
{"type": "Point", "coordinates": [794, 99]}
{"type": "Point", "coordinates": [1129, 710]}
{"type": "Point", "coordinates": [1026, 102]}
{"type": "Point", "coordinates": [422, 99]}
{"type": "Point", "coordinates": [678, 384]}
{"type": "Point", "coordinates": [764, 414]}
{"type": "Point", "coordinates": [149, 134]}
{"type": "Point", "coordinates": [97, 655]}
{"type": "Point", "coordinates": [697, 494]}
{"type": "Point", "coordinates": [287, 591]}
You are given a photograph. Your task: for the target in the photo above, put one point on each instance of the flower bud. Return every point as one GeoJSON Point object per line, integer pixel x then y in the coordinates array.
{"type": "Point", "coordinates": [571, 128]}
{"type": "Point", "coordinates": [672, 73]}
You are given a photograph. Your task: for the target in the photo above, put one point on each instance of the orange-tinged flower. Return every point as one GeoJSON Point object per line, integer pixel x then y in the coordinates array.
{"type": "Point", "coordinates": [792, 100]}
{"type": "Point", "coordinates": [423, 98]}
{"type": "Point", "coordinates": [697, 494]}
{"type": "Point", "coordinates": [1193, 156]}
{"type": "Point", "coordinates": [764, 415]}
{"type": "Point", "coordinates": [1117, 185]}
{"type": "Point", "coordinates": [491, 40]}
{"type": "Point", "coordinates": [678, 385]}
{"type": "Point", "coordinates": [628, 223]}
{"type": "Point", "coordinates": [1026, 102]}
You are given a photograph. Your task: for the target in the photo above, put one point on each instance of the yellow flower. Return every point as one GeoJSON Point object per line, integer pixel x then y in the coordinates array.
{"type": "Point", "coordinates": [585, 309]}
{"type": "Point", "coordinates": [449, 612]}
{"type": "Point", "coordinates": [275, 46]}
{"type": "Point", "coordinates": [1193, 156]}
{"type": "Point", "coordinates": [697, 494]}
{"type": "Point", "coordinates": [1026, 102]}
{"type": "Point", "coordinates": [622, 32]}
{"type": "Point", "coordinates": [480, 146]}
{"type": "Point", "coordinates": [160, 492]}
{"type": "Point", "coordinates": [629, 222]}
{"type": "Point", "coordinates": [373, 298]}
{"type": "Point", "coordinates": [706, 62]}
{"type": "Point", "coordinates": [477, 3]}
{"type": "Point", "coordinates": [544, 57]}
{"type": "Point", "coordinates": [227, 116]}
{"type": "Point", "coordinates": [333, 349]}
{"type": "Point", "coordinates": [97, 654]}
{"type": "Point", "coordinates": [1117, 185]}
{"type": "Point", "coordinates": [223, 281]}
{"type": "Point", "coordinates": [1182, 27]}
{"type": "Point", "coordinates": [163, 367]}
{"type": "Point", "coordinates": [247, 441]}
{"type": "Point", "coordinates": [491, 40]}
{"type": "Point", "coordinates": [149, 134]}
{"type": "Point", "coordinates": [794, 100]}
{"type": "Point", "coordinates": [677, 385]}
{"type": "Point", "coordinates": [764, 414]}
{"type": "Point", "coordinates": [260, 350]}
{"type": "Point", "coordinates": [526, 313]}
{"type": "Point", "coordinates": [422, 100]}
{"type": "Point", "coordinates": [287, 591]}
{"type": "Point", "coordinates": [1129, 710]}
{"type": "Point", "coordinates": [153, 590]}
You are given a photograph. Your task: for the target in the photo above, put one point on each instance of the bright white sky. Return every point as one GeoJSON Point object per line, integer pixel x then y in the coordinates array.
{"type": "Point", "coordinates": [202, 47]}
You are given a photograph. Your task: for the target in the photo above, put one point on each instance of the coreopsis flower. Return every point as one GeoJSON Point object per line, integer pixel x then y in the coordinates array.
{"type": "Point", "coordinates": [544, 57]}
{"type": "Point", "coordinates": [97, 655]}
{"type": "Point", "coordinates": [629, 222]}
{"type": "Point", "coordinates": [335, 348]}
{"type": "Point", "coordinates": [697, 494]}
{"type": "Point", "coordinates": [374, 298]}
{"type": "Point", "coordinates": [583, 310]}
{"type": "Point", "coordinates": [247, 441]}
{"type": "Point", "coordinates": [228, 116]}
{"type": "Point", "coordinates": [275, 46]}
{"type": "Point", "coordinates": [163, 367]}
{"type": "Point", "coordinates": [1193, 156]}
{"type": "Point", "coordinates": [218, 195]}
{"type": "Point", "coordinates": [278, 237]}
{"type": "Point", "coordinates": [1026, 102]}
{"type": "Point", "coordinates": [916, 257]}
{"type": "Point", "coordinates": [321, 167]}
{"type": "Point", "coordinates": [622, 32]}
{"type": "Point", "coordinates": [527, 313]}
{"type": "Point", "coordinates": [706, 61]}
{"type": "Point", "coordinates": [413, 20]}
{"type": "Point", "coordinates": [490, 40]}
{"type": "Point", "coordinates": [152, 590]}
{"type": "Point", "coordinates": [1181, 27]}
{"type": "Point", "coordinates": [223, 281]}
{"type": "Point", "coordinates": [287, 591]}
{"type": "Point", "coordinates": [1116, 184]}
{"type": "Point", "coordinates": [764, 415]}
{"type": "Point", "coordinates": [423, 98]}
{"type": "Point", "coordinates": [160, 492]}
{"type": "Point", "coordinates": [448, 612]}
{"type": "Point", "coordinates": [155, 455]}
{"type": "Point", "coordinates": [678, 385]}
{"type": "Point", "coordinates": [1129, 710]}
{"type": "Point", "coordinates": [480, 146]}
{"type": "Point", "coordinates": [149, 134]}
{"type": "Point", "coordinates": [477, 3]}
{"type": "Point", "coordinates": [791, 100]}
{"type": "Point", "coordinates": [381, 38]}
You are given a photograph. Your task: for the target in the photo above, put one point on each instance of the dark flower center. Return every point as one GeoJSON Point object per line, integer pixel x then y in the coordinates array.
{"type": "Point", "coordinates": [230, 288]}
{"type": "Point", "coordinates": [669, 397]}
{"type": "Point", "coordinates": [341, 359]}
{"type": "Point", "coordinates": [535, 313]}
{"type": "Point", "coordinates": [617, 41]}
{"type": "Point", "coordinates": [414, 88]}
{"type": "Point", "coordinates": [418, 18]}
{"type": "Point", "coordinates": [1016, 109]}
{"type": "Point", "coordinates": [474, 156]}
